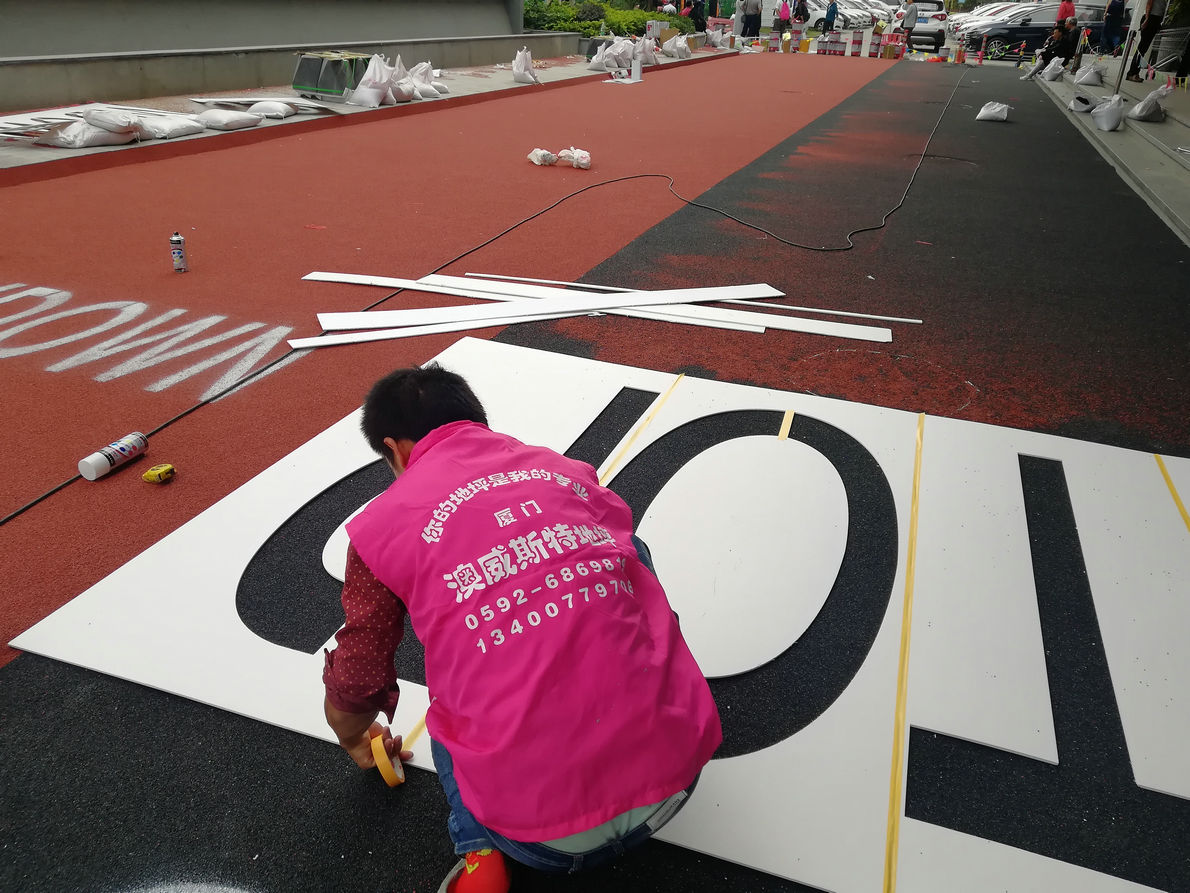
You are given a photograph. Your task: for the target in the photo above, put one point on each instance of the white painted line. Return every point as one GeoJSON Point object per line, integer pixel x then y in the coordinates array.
{"type": "Point", "coordinates": [571, 303]}
{"type": "Point", "coordinates": [414, 331]}
{"type": "Point", "coordinates": [609, 288]}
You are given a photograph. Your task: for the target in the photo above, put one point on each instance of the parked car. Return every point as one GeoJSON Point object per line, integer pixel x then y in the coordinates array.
{"type": "Point", "coordinates": [1031, 25]}
{"type": "Point", "coordinates": [858, 16]}
{"type": "Point", "coordinates": [931, 22]}
{"type": "Point", "coordinates": [818, 15]}
{"type": "Point", "coordinates": [986, 11]}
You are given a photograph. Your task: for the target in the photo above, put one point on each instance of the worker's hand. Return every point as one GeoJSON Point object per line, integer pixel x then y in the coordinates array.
{"type": "Point", "coordinates": [360, 747]}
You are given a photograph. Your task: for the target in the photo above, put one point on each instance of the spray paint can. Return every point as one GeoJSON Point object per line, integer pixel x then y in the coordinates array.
{"type": "Point", "coordinates": [113, 456]}
{"type": "Point", "coordinates": [177, 250]}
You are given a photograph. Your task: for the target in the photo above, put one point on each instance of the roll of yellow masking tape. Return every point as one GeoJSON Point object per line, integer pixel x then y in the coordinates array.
{"type": "Point", "coordinates": [391, 770]}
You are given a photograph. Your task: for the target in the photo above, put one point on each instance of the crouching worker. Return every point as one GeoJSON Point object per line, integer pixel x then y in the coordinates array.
{"type": "Point", "coordinates": [568, 717]}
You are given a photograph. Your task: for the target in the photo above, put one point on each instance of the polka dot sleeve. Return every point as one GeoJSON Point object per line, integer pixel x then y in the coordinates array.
{"type": "Point", "coordinates": [359, 674]}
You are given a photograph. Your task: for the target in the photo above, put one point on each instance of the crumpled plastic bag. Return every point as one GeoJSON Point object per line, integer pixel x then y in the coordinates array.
{"type": "Point", "coordinates": [1082, 104]}
{"type": "Point", "coordinates": [163, 127]}
{"type": "Point", "coordinates": [1149, 108]}
{"type": "Point", "coordinates": [110, 119]}
{"type": "Point", "coordinates": [677, 46]}
{"type": "Point", "coordinates": [226, 119]}
{"type": "Point", "coordinates": [579, 158]}
{"type": "Point", "coordinates": [1089, 76]}
{"type": "Point", "coordinates": [81, 135]}
{"type": "Point", "coordinates": [400, 86]}
{"type": "Point", "coordinates": [522, 68]}
{"type": "Point", "coordinates": [993, 111]}
{"type": "Point", "coordinates": [1053, 71]}
{"type": "Point", "coordinates": [543, 157]}
{"type": "Point", "coordinates": [646, 51]}
{"type": "Point", "coordinates": [1109, 113]}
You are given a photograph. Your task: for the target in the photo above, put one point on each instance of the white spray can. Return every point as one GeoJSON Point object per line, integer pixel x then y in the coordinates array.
{"type": "Point", "coordinates": [177, 250]}
{"type": "Point", "coordinates": [113, 456]}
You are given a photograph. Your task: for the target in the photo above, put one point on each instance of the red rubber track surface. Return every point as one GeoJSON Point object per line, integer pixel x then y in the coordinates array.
{"type": "Point", "coordinates": [399, 196]}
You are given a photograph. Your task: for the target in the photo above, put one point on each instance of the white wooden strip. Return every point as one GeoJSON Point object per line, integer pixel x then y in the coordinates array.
{"type": "Point", "coordinates": [413, 331]}
{"type": "Point", "coordinates": [790, 307]}
{"type": "Point", "coordinates": [686, 313]}
{"type": "Point", "coordinates": [609, 288]}
{"type": "Point", "coordinates": [570, 304]}
{"type": "Point", "coordinates": [507, 291]}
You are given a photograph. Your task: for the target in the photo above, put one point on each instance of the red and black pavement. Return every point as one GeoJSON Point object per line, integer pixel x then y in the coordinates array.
{"type": "Point", "coordinates": [1052, 298]}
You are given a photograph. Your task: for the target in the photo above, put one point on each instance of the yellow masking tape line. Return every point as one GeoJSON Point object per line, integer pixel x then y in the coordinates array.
{"type": "Point", "coordinates": [389, 770]}
{"type": "Point", "coordinates": [414, 733]}
{"type": "Point", "coordinates": [1173, 491]}
{"type": "Point", "coordinates": [606, 476]}
{"type": "Point", "coordinates": [896, 781]}
{"type": "Point", "coordinates": [786, 424]}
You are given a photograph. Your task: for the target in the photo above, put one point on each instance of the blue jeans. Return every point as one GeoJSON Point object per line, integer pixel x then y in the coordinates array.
{"type": "Point", "coordinates": [468, 835]}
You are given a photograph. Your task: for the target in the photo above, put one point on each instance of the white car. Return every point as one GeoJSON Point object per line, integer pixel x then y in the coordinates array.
{"type": "Point", "coordinates": [930, 25]}
{"type": "Point", "coordinates": [857, 16]}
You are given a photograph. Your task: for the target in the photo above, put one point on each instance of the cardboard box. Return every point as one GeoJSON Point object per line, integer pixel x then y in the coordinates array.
{"type": "Point", "coordinates": [667, 33]}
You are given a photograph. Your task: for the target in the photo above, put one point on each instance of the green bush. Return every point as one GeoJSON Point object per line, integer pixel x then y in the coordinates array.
{"type": "Point", "coordinates": [628, 21]}
{"type": "Point", "coordinates": [590, 11]}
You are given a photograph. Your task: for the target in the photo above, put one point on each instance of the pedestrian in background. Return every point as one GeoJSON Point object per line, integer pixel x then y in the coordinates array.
{"type": "Point", "coordinates": [1113, 22]}
{"type": "Point", "coordinates": [832, 11]}
{"type": "Point", "coordinates": [750, 10]}
{"type": "Point", "coordinates": [784, 14]}
{"type": "Point", "coordinates": [1150, 24]}
{"type": "Point", "coordinates": [908, 23]}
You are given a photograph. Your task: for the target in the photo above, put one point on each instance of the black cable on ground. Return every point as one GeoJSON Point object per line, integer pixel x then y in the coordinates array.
{"type": "Point", "coordinates": [669, 185]}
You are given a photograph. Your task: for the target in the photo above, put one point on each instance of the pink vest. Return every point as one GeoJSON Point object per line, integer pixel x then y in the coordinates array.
{"type": "Point", "coordinates": [561, 684]}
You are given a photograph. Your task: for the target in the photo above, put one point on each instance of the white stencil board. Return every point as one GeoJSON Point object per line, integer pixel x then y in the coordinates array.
{"type": "Point", "coordinates": [936, 858]}
{"type": "Point", "coordinates": [812, 807]}
{"type": "Point", "coordinates": [977, 665]}
{"type": "Point", "coordinates": [1137, 551]}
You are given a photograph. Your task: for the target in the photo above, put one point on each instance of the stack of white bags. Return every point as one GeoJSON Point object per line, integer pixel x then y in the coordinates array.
{"type": "Point", "coordinates": [385, 84]}
{"type": "Point", "coordinates": [115, 127]}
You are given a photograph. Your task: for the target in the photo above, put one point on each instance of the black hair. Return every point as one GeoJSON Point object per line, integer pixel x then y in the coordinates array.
{"type": "Point", "coordinates": [410, 403]}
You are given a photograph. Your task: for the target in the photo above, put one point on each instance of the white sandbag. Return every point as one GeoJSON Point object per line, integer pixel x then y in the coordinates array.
{"type": "Point", "coordinates": [271, 108]}
{"type": "Point", "coordinates": [1149, 108]}
{"type": "Point", "coordinates": [404, 90]}
{"type": "Point", "coordinates": [596, 63]}
{"type": "Point", "coordinates": [677, 46]}
{"type": "Point", "coordinates": [110, 119]}
{"type": "Point", "coordinates": [1053, 71]}
{"type": "Point", "coordinates": [522, 68]}
{"type": "Point", "coordinates": [619, 54]}
{"type": "Point", "coordinates": [1081, 104]}
{"type": "Point", "coordinates": [543, 157]}
{"type": "Point", "coordinates": [164, 127]}
{"type": "Point", "coordinates": [227, 119]}
{"type": "Point", "coordinates": [440, 87]}
{"type": "Point", "coordinates": [646, 51]}
{"type": "Point", "coordinates": [993, 111]}
{"type": "Point", "coordinates": [579, 158]}
{"type": "Point", "coordinates": [423, 80]}
{"type": "Point", "coordinates": [368, 96]}
{"type": "Point", "coordinates": [1089, 76]}
{"type": "Point", "coordinates": [81, 135]}
{"type": "Point", "coordinates": [1109, 113]}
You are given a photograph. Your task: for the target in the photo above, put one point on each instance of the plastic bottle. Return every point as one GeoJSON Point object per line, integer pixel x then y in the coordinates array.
{"type": "Point", "coordinates": [177, 249]}
{"type": "Point", "coordinates": [113, 456]}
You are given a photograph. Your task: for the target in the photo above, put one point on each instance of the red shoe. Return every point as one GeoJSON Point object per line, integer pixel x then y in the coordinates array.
{"type": "Point", "coordinates": [479, 872]}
